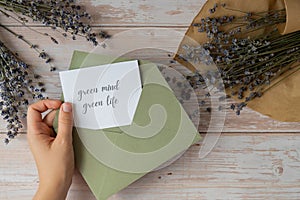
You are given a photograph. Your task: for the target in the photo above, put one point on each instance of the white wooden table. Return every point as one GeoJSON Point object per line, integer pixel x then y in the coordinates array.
{"type": "Point", "coordinates": [255, 157]}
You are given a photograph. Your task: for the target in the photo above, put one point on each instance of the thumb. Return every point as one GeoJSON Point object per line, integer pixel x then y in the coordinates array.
{"type": "Point", "coordinates": [65, 123]}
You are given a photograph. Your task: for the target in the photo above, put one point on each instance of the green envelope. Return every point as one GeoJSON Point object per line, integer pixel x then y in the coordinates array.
{"type": "Point", "coordinates": [111, 159]}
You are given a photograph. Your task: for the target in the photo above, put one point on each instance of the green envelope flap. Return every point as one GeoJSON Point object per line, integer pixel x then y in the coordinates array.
{"type": "Point", "coordinates": [111, 159]}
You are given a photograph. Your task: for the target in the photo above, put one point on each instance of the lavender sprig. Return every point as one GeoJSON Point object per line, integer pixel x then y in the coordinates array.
{"type": "Point", "coordinates": [56, 14]}
{"type": "Point", "coordinates": [41, 53]}
{"type": "Point", "coordinates": [15, 81]}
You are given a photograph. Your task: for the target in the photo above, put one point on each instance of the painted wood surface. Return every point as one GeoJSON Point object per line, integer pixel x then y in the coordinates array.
{"type": "Point", "coordinates": [252, 166]}
{"type": "Point", "coordinates": [255, 158]}
{"type": "Point", "coordinates": [137, 13]}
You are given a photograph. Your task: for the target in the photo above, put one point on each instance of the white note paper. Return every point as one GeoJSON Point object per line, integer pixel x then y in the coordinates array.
{"type": "Point", "coordinates": [103, 96]}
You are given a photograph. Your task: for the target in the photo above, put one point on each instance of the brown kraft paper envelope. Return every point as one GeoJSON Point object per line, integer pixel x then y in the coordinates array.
{"type": "Point", "coordinates": [282, 101]}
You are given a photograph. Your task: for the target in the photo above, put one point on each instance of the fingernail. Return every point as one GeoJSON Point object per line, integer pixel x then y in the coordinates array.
{"type": "Point", "coordinates": [67, 107]}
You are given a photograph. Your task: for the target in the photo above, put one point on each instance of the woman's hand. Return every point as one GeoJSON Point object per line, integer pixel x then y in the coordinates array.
{"type": "Point", "coordinates": [54, 156]}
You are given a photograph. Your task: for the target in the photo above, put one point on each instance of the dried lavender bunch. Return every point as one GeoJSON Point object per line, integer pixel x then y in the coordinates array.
{"type": "Point", "coordinates": [15, 80]}
{"type": "Point", "coordinates": [249, 63]}
{"type": "Point", "coordinates": [66, 15]}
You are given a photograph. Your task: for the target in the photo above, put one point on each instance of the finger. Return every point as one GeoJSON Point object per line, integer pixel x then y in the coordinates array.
{"type": "Point", "coordinates": [65, 123]}
{"type": "Point", "coordinates": [35, 110]}
{"type": "Point", "coordinates": [49, 118]}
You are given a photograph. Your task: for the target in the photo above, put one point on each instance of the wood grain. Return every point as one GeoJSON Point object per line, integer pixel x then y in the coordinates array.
{"type": "Point", "coordinates": [136, 13]}
{"type": "Point", "coordinates": [262, 164]}
{"type": "Point", "coordinates": [252, 166]}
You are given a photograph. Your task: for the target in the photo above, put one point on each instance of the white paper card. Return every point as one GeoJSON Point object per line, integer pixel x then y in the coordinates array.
{"type": "Point", "coordinates": [103, 96]}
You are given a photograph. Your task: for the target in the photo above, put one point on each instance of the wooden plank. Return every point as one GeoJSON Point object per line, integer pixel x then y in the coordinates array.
{"type": "Point", "coordinates": [241, 166]}
{"type": "Point", "coordinates": [251, 166]}
{"type": "Point", "coordinates": [136, 13]}
{"type": "Point", "coordinates": [139, 43]}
